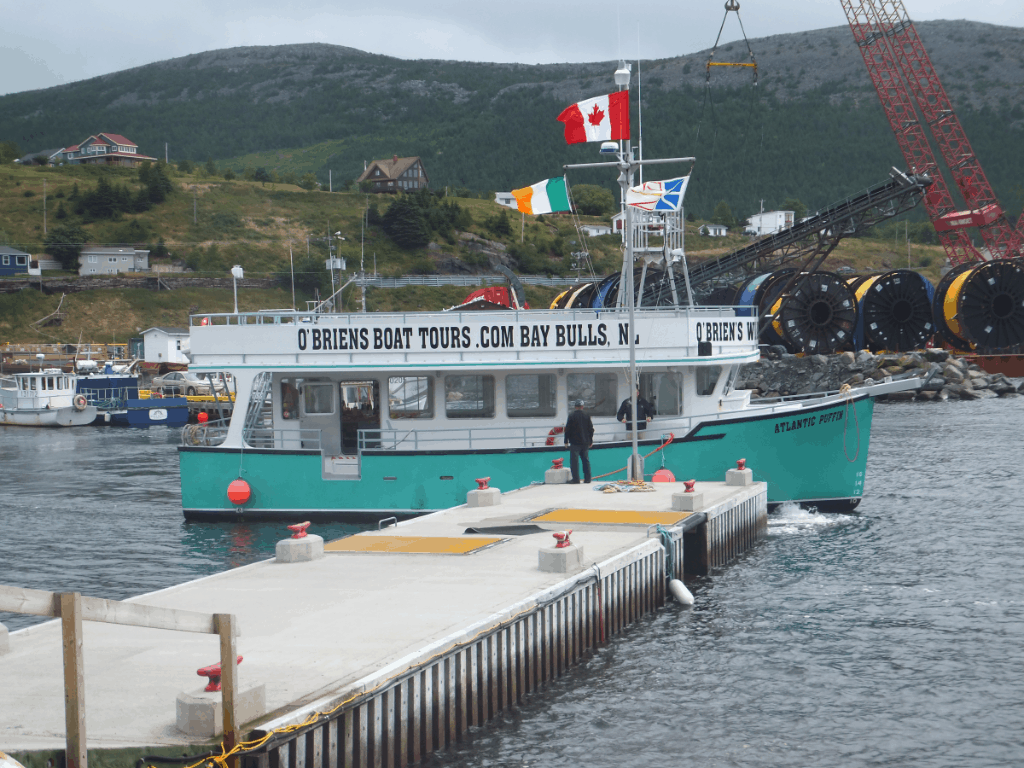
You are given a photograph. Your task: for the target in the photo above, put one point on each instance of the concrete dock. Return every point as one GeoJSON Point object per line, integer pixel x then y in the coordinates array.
{"type": "Point", "coordinates": [400, 637]}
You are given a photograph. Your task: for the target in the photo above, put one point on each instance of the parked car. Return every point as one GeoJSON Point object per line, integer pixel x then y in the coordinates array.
{"type": "Point", "coordinates": [186, 383]}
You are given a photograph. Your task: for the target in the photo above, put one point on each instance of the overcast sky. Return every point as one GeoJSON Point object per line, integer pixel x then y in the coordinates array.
{"type": "Point", "coordinates": [57, 41]}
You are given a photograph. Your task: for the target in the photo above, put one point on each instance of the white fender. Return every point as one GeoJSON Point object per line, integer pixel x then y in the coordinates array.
{"type": "Point", "coordinates": [680, 592]}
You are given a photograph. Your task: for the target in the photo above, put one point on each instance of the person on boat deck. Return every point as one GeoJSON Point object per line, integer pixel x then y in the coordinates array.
{"type": "Point", "coordinates": [579, 436]}
{"type": "Point", "coordinates": [644, 413]}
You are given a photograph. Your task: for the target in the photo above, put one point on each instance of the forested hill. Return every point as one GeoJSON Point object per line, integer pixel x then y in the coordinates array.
{"type": "Point", "coordinates": [812, 128]}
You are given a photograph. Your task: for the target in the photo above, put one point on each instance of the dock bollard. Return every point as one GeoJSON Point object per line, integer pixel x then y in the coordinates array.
{"type": "Point", "coordinates": [199, 713]}
{"type": "Point", "coordinates": [484, 495]}
{"type": "Point", "coordinates": [688, 500]}
{"type": "Point", "coordinates": [557, 474]}
{"type": "Point", "coordinates": [301, 547]}
{"type": "Point", "coordinates": [562, 557]}
{"type": "Point", "coordinates": [740, 475]}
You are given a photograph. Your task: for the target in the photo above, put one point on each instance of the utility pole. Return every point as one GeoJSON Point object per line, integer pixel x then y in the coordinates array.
{"type": "Point", "coordinates": [44, 206]}
{"type": "Point", "coordinates": [195, 217]}
{"type": "Point", "coordinates": [166, 161]}
{"type": "Point", "coordinates": [362, 243]}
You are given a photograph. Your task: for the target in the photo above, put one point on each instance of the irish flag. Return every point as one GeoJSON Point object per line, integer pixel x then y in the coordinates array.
{"type": "Point", "coordinates": [543, 197]}
{"type": "Point", "coordinates": [604, 118]}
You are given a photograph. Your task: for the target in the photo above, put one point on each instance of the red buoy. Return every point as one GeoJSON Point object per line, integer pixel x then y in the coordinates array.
{"type": "Point", "coordinates": [239, 492]}
{"type": "Point", "coordinates": [203, 417]}
{"type": "Point", "coordinates": [663, 476]}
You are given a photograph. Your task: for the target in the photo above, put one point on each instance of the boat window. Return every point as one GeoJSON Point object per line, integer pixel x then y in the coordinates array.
{"type": "Point", "coordinates": [411, 397]}
{"type": "Point", "coordinates": [317, 398]}
{"type": "Point", "coordinates": [49, 383]}
{"type": "Point", "coordinates": [290, 398]}
{"type": "Point", "coordinates": [32, 383]}
{"type": "Point", "coordinates": [662, 390]}
{"type": "Point", "coordinates": [598, 391]}
{"type": "Point", "coordinates": [531, 395]}
{"type": "Point", "coordinates": [469, 397]}
{"type": "Point", "coordinates": [707, 378]}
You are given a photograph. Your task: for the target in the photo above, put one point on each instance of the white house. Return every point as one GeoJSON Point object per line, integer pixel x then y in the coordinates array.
{"type": "Point", "coordinates": [713, 230]}
{"type": "Point", "coordinates": [596, 230]}
{"type": "Point", "coordinates": [103, 260]}
{"type": "Point", "coordinates": [166, 345]}
{"type": "Point", "coordinates": [506, 199]}
{"type": "Point", "coordinates": [769, 222]}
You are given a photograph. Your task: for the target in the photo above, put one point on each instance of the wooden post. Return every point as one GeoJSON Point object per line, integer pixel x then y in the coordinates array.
{"type": "Point", "coordinates": [228, 681]}
{"type": "Point", "coordinates": [75, 755]}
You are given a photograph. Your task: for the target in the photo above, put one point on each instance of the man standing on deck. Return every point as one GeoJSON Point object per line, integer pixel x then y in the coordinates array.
{"type": "Point", "coordinates": [644, 413]}
{"type": "Point", "coordinates": [579, 436]}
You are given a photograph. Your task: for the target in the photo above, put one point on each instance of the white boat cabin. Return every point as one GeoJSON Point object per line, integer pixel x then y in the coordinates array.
{"type": "Point", "coordinates": [341, 383]}
{"type": "Point", "coordinates": [47, 389]}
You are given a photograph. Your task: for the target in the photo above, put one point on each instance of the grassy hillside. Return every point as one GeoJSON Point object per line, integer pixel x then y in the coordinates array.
{"type": "Point", "coordinates": [812, 128]}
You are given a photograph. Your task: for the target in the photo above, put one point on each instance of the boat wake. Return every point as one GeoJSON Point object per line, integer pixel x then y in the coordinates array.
{"type": "Point", "coordinates": [790, 518]}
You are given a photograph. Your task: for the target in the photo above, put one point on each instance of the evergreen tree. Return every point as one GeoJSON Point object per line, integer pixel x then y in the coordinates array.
{"type": "Point", "coordinates": [405, 224]}
{"type": "Point", "coordinates": [61, 213]}
{"type": "Point", "coordinates": [65, 243]}
{"type": "Point", "coordinates": [211, 167]}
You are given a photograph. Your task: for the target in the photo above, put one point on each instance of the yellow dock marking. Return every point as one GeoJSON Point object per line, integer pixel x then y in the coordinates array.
{"type": "Point", "coordinates": [613, 516]}
{"type": "Point", "coordinates": [411, 545]}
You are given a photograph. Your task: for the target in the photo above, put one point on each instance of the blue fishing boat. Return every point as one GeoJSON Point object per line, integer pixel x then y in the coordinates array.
{"type": "Point", "coordinates": [115, 395]}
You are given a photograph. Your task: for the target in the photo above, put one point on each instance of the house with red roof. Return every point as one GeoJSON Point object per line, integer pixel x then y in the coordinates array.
{"type": "Point", "coordinates": [105, 149]}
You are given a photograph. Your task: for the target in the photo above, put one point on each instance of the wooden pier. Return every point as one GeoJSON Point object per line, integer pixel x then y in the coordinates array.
{"type": "Point", "coordinates": [395, 642]}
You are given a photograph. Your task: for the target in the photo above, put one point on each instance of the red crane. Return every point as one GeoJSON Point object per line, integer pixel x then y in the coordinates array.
{"type": "Point", "coordinates": [898, 65]}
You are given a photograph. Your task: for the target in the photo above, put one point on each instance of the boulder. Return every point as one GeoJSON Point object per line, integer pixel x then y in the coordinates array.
{"type": "Point", "coordinates": [925, 394]}
{"type": "Point", "coordinates": [935, 384]}
{"type": "Point", "coordinates": [966, 393]}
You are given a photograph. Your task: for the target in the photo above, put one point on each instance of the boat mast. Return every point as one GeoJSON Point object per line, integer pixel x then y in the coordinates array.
{"type": "Point", "coordinates": [627, 165]}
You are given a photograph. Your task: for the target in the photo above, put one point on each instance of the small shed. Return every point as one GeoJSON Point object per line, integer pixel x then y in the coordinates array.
{"type": "Point", "coordinates": [163, 346]}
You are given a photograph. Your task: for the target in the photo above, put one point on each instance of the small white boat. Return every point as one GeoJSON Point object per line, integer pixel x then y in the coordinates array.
{"type": "Point", "coordinates": [45, 398]}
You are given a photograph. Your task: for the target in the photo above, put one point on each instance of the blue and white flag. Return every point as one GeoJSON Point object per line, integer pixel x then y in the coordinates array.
{"type": "Point", "coordinates": [658, 195]}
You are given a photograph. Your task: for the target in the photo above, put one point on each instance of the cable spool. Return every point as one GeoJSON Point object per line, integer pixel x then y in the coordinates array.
{"type": "Point", "coordinates": [820, 314]}
{"type": "Point", "coordinates": [607, 292]}
{"type": "Point", "coordinates": [581, 297]}
{"type": "Point", "coordinates": [559, 301]}
{"type": "Point", "coordinates": [767, 300]}
{"type": "Point", "coordinates": [981, 306]}
{"type": "Point", "coordinates": [895, 311]}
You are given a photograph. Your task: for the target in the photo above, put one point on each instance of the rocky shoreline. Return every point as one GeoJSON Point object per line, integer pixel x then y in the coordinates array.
{"type": "Point", "coordinates": [779, 373]}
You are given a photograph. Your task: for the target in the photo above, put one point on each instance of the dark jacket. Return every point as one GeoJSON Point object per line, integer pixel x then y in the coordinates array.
{"type": "Point", "coordinates": [644, 411]}
{"type": "Point", "coordinates": [579, 429]}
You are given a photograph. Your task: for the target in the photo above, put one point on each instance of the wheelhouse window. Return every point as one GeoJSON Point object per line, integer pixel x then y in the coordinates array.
{"type": "Point", "coordinates": [411, 397]}
{"type": "Point", "coordinates": [469, 397]}
{"type": "Point", "coordinates": [707, 378]}
{"type": "Point", "coordinates": [598, 391]}
{"type": "Point", "coordinates": [317, 398]}
{"type": "Point", "coordinates": [663, 391]}
{"type": "Point", "coordinates": [531, 395]}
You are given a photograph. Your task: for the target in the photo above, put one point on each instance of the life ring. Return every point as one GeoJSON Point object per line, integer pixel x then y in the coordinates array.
{"type": "Point", "coordinates": [79, 402]}
{"type": "Point", "coordinates": [551, 435]}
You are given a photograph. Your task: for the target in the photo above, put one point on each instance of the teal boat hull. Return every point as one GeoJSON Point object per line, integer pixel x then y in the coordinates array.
{"type": "Point", "coordinates": [815, 456]}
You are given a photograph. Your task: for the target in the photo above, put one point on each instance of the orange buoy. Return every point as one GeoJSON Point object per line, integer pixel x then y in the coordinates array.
{"type": "Point", "coordinates": [203, 417]}
{"type": "Point", "coordinates": [663, 476]}
{"type": "Point", "coordinates": [239, 492]}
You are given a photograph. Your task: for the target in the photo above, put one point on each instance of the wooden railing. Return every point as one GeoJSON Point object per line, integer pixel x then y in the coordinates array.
{"type": "Point", "coordinates": [72, 609]}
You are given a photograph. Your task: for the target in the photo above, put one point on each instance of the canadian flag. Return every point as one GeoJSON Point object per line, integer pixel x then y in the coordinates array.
{"type": "Point", "coordinates": [603, 118]}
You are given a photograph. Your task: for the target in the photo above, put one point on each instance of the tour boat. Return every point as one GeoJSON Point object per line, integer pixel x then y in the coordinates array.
{"type": "Point", "coordinates": [44, 398]}
{"type": "Point", "coordinates": [377, 415]}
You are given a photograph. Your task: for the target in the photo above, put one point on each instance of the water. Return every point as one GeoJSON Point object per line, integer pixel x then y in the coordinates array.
{"type": "Point", "coordinates": [893, 636]}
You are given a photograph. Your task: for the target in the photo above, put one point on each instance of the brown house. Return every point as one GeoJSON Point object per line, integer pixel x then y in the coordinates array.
{"type": "Point", "coordinates": [397, 174]}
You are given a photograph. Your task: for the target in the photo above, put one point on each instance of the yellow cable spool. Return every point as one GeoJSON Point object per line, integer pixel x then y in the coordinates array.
{"type": "Point", "coordinates": [554, 302]}
{"type": "Point", "coordinates": [575, 294]}
{"type": "Point", "coordinates": [863, 287]}
{"type": "Point", "coordinates": [777, 323]}
{"type": "Point", "coordinates": [949, 305]}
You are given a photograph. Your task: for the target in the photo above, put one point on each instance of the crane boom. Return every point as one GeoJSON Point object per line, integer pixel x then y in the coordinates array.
{"type": "Point", "coordinates": [919, 73]}
{"type": "Point", "coordinates": [903, 119]}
